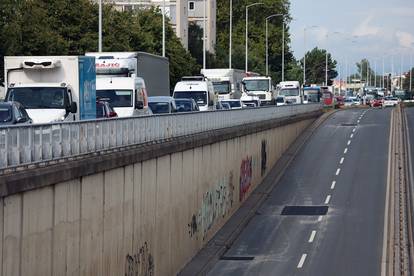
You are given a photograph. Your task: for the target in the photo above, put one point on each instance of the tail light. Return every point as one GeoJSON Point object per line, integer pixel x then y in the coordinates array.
{"type": "Point", "coordinates": [112, 114]}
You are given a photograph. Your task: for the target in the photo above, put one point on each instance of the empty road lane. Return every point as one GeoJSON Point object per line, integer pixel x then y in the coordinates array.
{"type": "Point", "coordinates": [326, 215]}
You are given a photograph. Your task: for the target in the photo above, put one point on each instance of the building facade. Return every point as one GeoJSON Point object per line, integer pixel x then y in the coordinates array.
{"type": "Point", "coordinates": [180, 12]}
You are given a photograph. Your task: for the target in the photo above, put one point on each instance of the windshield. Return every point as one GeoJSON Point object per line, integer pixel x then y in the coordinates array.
{"type": "Point", "coordinates": [222, 87]}
{"type": "Point", "coordinates": [117, 98]}
{"type": "Point", "coordinates": [233, 104]}
{"type": "Point", "coordinates": [5, 114]}
{"type": "Point", "coordinates": [256, 85]}
{"type": "Point", "coordinates": [289, 92]}
{"type": "Point", "coordinates": [39, 97]}
{"type": "Point", "coordinates": [200, 97]}
{"type": "Point", "coordinates": [183, 105]}
{"type": "Point", "coordinates": [160, 108]}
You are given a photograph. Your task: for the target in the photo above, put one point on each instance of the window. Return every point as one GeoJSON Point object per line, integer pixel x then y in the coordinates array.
{"type": "Point", "coordinates": [191, 5]}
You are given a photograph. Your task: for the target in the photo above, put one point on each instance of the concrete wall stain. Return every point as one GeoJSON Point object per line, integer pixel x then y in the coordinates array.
{"type": "Point", "coordinates": [264, 157]}
{"type": "Point", "coordinates": [141, 263]}
{"type": "Point", "coordinates": [246, 173]}
{"type": "Point", "coordinates": [216, 203]}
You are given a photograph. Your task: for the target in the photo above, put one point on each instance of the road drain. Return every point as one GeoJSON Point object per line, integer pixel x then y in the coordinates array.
{"type": "Point", "coordinates": [304, 211]}
{"type": "Point", "coordinates": [350, 125]}
{"type": "Point", "coordinates": [237, 258]}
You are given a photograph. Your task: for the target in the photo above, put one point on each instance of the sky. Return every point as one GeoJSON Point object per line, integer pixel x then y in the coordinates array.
{"type": "Point", "coordinates": [356, 29]}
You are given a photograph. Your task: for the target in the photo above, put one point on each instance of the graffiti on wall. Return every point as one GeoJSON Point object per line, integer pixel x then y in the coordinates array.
{"type": "Point", "coordinates": [216, 203]}
{"type": "Point", "coordinates": [264, 157]}
{"type": "Point", "coordinates": [246, 173]}
{"type": "Point", "coordinates": [141, 263]}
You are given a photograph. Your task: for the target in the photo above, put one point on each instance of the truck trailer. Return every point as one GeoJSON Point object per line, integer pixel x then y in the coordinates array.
{"type": "Point", "coordinates": [52, 88]}
{"type": "Point", "coordinates": [226, 82]}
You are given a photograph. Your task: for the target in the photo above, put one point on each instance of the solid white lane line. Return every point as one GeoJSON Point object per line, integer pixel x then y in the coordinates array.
{"type": "Point", "coordinates": [333, 185]}
{"type": "Point", "coordinates": [346, 150]}
{"type": "Point", "coordinates": [352, 135]}
{"type": "Point", "coordinates": [342, 160]}
{"type": "Point", "coordinates": [320, 218]}
{"type": "Point", "coordinates": [328, 198]}
{"type": "Point", "coordinates": [302, 260]}
{"type": "Point", "coordinates": [338, 171]}
{"type": "Point", "coordinates": [312, 236]}
{"type": "Point", "coordinates": [349, 142]}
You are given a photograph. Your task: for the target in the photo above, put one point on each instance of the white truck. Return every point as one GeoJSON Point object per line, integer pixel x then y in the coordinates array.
{"type": "Point", "coordinates": [258, 87]}
{"type": "Point", "coordinates": [198, 88]}
{"type": "Point", "coordinates": [290, 90]}
{"type": "Point", "coordinates": [227, 82]}
{"type": "Point", "coordinates": [126, 79]}
{"type": "Point", "coordinates": [52, 88]}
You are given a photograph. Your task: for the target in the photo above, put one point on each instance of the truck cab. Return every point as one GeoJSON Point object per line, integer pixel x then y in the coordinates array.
{"type": "Point", "coordinates": [258, 86]}
{"type": "Point", "coordinates": [54, 88]}
{"type": "Point", "coordinates": [198, 88]}
{"type": "Point", "coordinates": [290, 90]}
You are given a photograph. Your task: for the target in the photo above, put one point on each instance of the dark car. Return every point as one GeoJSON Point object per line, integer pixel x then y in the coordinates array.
{"type": "Point", "coordinates": [162, 104]}
{"type": "Point", "coordinates": [104, 110]}
{"type": "Point", "coordinates": [186, 105]}
{"type": "Point", "coordinates": [12, 113]}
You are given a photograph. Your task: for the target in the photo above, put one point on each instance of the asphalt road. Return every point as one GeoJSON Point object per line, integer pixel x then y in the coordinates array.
{"type": "Point", "coordinates": [348, 239]}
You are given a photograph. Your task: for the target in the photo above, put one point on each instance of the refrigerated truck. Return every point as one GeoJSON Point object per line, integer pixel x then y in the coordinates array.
{"type": "Point", "coordinates": [52, 88]}
{"type": "Point", "coordinates": [127, 79]}
{"type": "Point", "coordinates": [226, 82]}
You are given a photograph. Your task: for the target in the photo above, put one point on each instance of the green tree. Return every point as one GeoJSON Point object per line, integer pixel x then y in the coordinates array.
{"type": "Point", "coordinates": [406, 83]}
{"type": "Point", "coordinates": [69, 27]}
{"type": "Point", "coordinates": [257, 52]}
{"type": "Point", "coordinates": [315, 66]}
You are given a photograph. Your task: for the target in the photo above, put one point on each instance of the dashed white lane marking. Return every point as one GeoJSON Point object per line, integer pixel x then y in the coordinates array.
{"type": "Point", "coordinates": [352, 135]}
{"type": "Point", "coordinates": [312, 236]}
{"type": "Point", "coordinates": [338, 171]}
{"type": "Point", "coordinates": [328, 198]}
{"type": "Point", "coordinates": [333, 185]}
{"type": "Point", "coordinates": [346, 150]}
{"type": "Point", "coordinates": [320, 218]}
{"type": "Point", "coordinates": [354, 130]}
{"type": "Point", "coordinates": [358, 121]}
{"type": "Point", "coordinates": [342, 161]}
{"type": "Point", "coordinates": [349, 142]}
{"type": "Point", "coordinates": [302, 260]}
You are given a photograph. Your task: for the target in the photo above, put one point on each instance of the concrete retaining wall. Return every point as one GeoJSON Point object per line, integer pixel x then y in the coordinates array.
{"type": "Point", "coordinates": [144, 218]}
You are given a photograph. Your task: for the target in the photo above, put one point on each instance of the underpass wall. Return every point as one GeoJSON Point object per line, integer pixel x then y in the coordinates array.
{"type": "Point", "coordinates": [143, 218]}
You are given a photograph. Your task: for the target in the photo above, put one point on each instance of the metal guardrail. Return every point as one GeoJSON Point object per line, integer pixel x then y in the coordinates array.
{"type": "Point", "coordinates": [23, 145]}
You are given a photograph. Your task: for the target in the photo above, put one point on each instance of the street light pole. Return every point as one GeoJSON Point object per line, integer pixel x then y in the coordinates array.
{"type": "Point", "coordinates": [163, 28]}
{"type": "Point", "coordinates": [304, 57]}
{"type": "Point", "coordinates": [204, 34]}
{"type": "Point", "coordinates": [247, 34]}
{"type": "Point", "coordinates": [100, 27]}
{"type": "Point", "coordinates": [267, 41]}
{"type": "Point", "coordinates": [283, 50]}
{"type": "Point", "coordinates": [230, 32]}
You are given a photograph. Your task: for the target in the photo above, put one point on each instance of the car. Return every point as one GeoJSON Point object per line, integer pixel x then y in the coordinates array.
{"type": "Point", "coordinates": [12, 113]}
{"type": "Point", "coordinates": [104, 109]}
{"type": "Point", "coordinates": [377, 102]}
{"type": "Point", "coordinates": [225, 105]}
{"type": "Point", "coordinates": [355, 100]}
{"type": "Point", "coordinates": [186, 105]}
{"type": "Point", "coordinates": [162, 104]}
{"type": "Point", "coordinates": [280, 100]}
{"type": "Point", "coordinates": [252, 103]}
{"type": "Point", "coordinates": [348, 102]}
{"type": "Point", "coordinates": [391, 101]}
{"type": "Point", "coordinates": [234, 103]}
{"type": "Point", "coordinates": [339, 101]}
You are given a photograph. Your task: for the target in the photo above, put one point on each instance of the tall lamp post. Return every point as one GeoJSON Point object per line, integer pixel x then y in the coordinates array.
{"type": "Point", "coordinates": [230, 32]}
{"type": "Point", "coordinates": [267, 43]}
{"type": "Point", "coordinates": [304, 57]}
{"type": "Point", "coordinates": [163, 28]}
{"type": "Point", "coordinates": [204, 34]}
{"type": "Point", "coordinates": [247, 34]}
{"type": "Point", "coordinates": [100, 27]}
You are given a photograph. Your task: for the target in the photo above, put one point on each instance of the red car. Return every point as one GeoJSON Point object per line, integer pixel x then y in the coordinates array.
{"type": "Point", "coordinates": [379, 102]}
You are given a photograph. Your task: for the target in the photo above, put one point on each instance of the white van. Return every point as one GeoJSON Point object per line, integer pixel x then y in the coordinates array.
{"type": "Point", "coordinates": [198, 88]}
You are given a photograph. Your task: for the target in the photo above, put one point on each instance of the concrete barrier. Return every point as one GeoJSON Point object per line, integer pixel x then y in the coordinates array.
{"type": "Point", "coordinates": [147, 212]}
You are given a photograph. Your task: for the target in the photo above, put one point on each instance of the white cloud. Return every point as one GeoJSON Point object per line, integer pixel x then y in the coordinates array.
{"type": "Point", "coordinates": [405, 39]}
{"type": "Point", "coordinates": [364, 28]}
{"type": "Point", "coordinates": [401, 11]}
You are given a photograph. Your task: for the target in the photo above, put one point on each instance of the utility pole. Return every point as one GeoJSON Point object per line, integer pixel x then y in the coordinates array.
{"type": "Point", "coordinates": [100, 27]}
{"type": "Point", "coordinates": [204, 34]}
{"type": "Point", "coordinates": [230, 32]}
{"type": "Point", "coordinates": [163, 28]}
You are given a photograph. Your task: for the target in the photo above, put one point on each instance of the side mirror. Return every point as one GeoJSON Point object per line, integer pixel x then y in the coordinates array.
{"type": "Point", "coordinates": [73, 107]}
{"type": "Point", "coordinates": [21, 120]}
{"type": "Point", "coordinates": [139, 105]}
